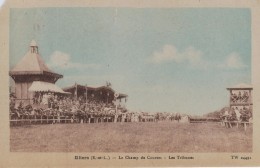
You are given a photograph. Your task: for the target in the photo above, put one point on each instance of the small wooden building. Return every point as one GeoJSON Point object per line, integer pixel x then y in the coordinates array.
{"type": "Point", "coordinates": [241, 97]}
{"type": "Point", "coordinates": [31, 68]}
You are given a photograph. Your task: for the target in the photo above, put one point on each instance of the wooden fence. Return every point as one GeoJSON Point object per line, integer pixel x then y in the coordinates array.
{"type": "Point", "coordinates": [62, 119]}
{"type": "Point", "coordinates": [230, 124]}
{"type": "Point", "coordinates": [227, 124]}
{"type": "Point", "coordinates": [204, 120]}
{"type": "Point", "coordinates": [41, 120]}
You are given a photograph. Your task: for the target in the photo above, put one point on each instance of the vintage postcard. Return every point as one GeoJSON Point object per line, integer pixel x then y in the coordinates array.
{"type": "Point", "coordinates": [133, 83]}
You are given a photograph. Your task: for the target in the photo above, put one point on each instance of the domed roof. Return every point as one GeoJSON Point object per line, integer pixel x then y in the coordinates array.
{"type": "Point", "coordinates": [32, 63]}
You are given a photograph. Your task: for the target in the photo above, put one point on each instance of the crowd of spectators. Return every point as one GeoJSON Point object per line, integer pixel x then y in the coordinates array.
{"type": "Point", "coordinates": [60, 105]}
{"type": "Point", "coordinates": [238, 114]}
{"type": "Point", "coordinates": [240, 97]}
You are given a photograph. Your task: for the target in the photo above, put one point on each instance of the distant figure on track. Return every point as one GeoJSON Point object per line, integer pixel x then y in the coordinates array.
{"type": "Point", "coordinates": [177, 117]}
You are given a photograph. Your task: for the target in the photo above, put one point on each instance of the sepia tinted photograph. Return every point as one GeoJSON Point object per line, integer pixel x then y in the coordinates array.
{"type": "Point", "coordinates": [130, 80]}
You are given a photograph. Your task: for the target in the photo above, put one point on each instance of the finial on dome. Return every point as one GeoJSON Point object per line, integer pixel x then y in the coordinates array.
{"type": "Point", "coordinates": [33, 43]}
{"type": "Point", "coordinates": [34, 47]}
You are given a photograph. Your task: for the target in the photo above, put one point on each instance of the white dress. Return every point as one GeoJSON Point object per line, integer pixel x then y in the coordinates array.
{"type": "Point", "coordinates": [237, 114]}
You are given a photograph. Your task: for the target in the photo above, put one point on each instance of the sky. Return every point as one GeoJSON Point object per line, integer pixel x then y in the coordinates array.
{"type": "Point", "coordinates": [165, 59]}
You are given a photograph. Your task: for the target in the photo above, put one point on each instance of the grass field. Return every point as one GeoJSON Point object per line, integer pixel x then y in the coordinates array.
{"type": "Point", "coordinates": [163, 137]}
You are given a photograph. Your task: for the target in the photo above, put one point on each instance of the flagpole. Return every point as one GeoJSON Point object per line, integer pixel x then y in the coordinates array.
{"type": "Point", "coordinates": [86, 87]}
{"type": "Point", "coordinates": [76, 90]}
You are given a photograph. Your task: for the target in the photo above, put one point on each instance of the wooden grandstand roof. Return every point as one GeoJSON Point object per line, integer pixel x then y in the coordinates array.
{"type": "Point", "coordinates": [95, 88]}
{"type": "Point", "coordinates": [241, 86]}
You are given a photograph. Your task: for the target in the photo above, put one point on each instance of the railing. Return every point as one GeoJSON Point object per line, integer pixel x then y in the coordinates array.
{"type": "Point", "coordinates": [41, 120]}
{"type": "Point", "coordinates": [204, 120]}
{"type": "Point", "coordinates": [228, 124]}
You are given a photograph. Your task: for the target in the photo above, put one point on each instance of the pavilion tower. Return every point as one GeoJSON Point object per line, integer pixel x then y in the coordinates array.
{"type": "Point", "coordinates": [31, 68]}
